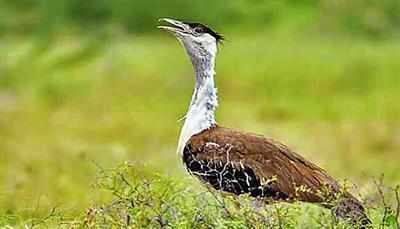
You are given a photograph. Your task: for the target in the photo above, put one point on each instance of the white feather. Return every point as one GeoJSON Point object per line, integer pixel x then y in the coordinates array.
{"type": "Point", "coordinates": [201, 113]}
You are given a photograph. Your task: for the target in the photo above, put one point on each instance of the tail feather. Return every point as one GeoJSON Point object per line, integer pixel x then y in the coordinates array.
{"type": "Point", "coordinates": [350, 209]}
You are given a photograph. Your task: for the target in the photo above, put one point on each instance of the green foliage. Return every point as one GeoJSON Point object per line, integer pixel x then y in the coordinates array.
{"type": "Point", "coordinates": [142, 198]}
{"type": "Point", "coordinates": [372, 18]}
{"type": "Point", "coordinates": [391, 221]}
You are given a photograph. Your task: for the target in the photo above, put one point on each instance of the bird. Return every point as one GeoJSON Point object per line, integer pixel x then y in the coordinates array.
{"type": "Point", "coordinates": [244, 163]}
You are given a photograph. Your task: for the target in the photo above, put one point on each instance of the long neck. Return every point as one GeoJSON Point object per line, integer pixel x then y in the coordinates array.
{"type": "Point", "coordinates": [201, 113]}
{"type": "Point", "coordinates": [204, 100]}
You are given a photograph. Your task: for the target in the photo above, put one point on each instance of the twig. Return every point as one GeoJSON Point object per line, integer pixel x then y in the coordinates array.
{"type": "Point", "coordinates": [396, 193]}
{"type": "Point", "coordinates": [98, 166]}
{"type": "Point", "coordinates": [43, 220]}
{"type": "Point", "coordinates": [124, 180]}
{"type": "Point", "coordinates": [278, 214]}
{"type": "Point", "coordinates": [382, 196]}
{"type": "Point", "coordinates": [221, 203]}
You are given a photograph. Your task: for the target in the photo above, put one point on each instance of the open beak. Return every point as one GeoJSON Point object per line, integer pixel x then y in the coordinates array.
{"type": "Point", "coordinates": [173, 26]}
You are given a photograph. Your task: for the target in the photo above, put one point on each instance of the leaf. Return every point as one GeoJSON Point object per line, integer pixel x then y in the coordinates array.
{"type": "Point", "coordinates": [391, 221]}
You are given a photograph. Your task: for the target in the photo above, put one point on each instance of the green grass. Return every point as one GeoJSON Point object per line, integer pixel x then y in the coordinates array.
{"type": "Point", "coordinates": [143, 198]}
{"type": "Point", "coordinates": [71, 104]}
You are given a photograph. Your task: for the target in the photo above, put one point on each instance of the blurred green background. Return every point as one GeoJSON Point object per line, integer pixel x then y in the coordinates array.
{"type": "Point", "coordinates": [94, 83]}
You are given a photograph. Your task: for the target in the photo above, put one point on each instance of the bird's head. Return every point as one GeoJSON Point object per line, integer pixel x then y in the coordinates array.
{"type": "Point", "coordinates": [199, 40]}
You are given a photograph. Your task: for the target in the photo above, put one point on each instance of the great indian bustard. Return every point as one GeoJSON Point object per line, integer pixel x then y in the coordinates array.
{"type": "Point", "coordinates": [244, 163]}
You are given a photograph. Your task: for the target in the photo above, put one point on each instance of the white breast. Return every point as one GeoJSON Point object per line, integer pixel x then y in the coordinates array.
{"type": "Point", "coordinates": [201, 112]}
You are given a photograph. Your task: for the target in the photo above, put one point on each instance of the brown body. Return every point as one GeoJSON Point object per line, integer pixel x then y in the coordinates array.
{"type": "Point", "coordinates": [288, 175]}
{"type": "Point", "coordinates": [244, 163]}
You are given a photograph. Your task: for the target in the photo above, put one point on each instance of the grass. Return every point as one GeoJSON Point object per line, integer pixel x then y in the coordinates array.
{"type": "Point", "coordinates": [77, 103]}
{"type": "Point", "coordinates": [142, 197]}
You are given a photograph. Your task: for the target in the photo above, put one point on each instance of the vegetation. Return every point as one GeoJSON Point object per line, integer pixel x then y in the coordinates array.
{"type": "Point", "coordinates": [370, 18]}
{"type": "Point", "coordinates": [85, 87]}
{"type": "Point", "coordinates": [147, 199]}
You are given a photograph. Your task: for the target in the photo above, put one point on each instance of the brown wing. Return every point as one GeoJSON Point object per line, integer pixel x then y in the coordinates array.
{"type": "Point", "coordinates": [241, 162]}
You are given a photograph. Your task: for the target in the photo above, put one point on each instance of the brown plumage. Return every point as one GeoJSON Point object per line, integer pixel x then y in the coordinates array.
{"type": "Point", "coordinates": [245, 163]}
{"type": "Point", "coordinates": [270, 160]}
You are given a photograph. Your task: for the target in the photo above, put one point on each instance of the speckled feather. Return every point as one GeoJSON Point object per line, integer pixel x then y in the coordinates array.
{"type": "Point", "coordinates": [269, 159]}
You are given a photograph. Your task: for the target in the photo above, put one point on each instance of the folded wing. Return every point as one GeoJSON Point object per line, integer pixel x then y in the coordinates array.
{"type": "Point", "coordinates": [239, 162]}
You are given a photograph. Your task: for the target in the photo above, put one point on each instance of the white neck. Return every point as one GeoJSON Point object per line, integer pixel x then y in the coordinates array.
{"type": "Point", "coordinates": [200, 115]}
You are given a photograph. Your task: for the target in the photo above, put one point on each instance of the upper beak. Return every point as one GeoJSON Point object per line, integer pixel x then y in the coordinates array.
{"type": "Point", "coordinates": [175, 26]}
